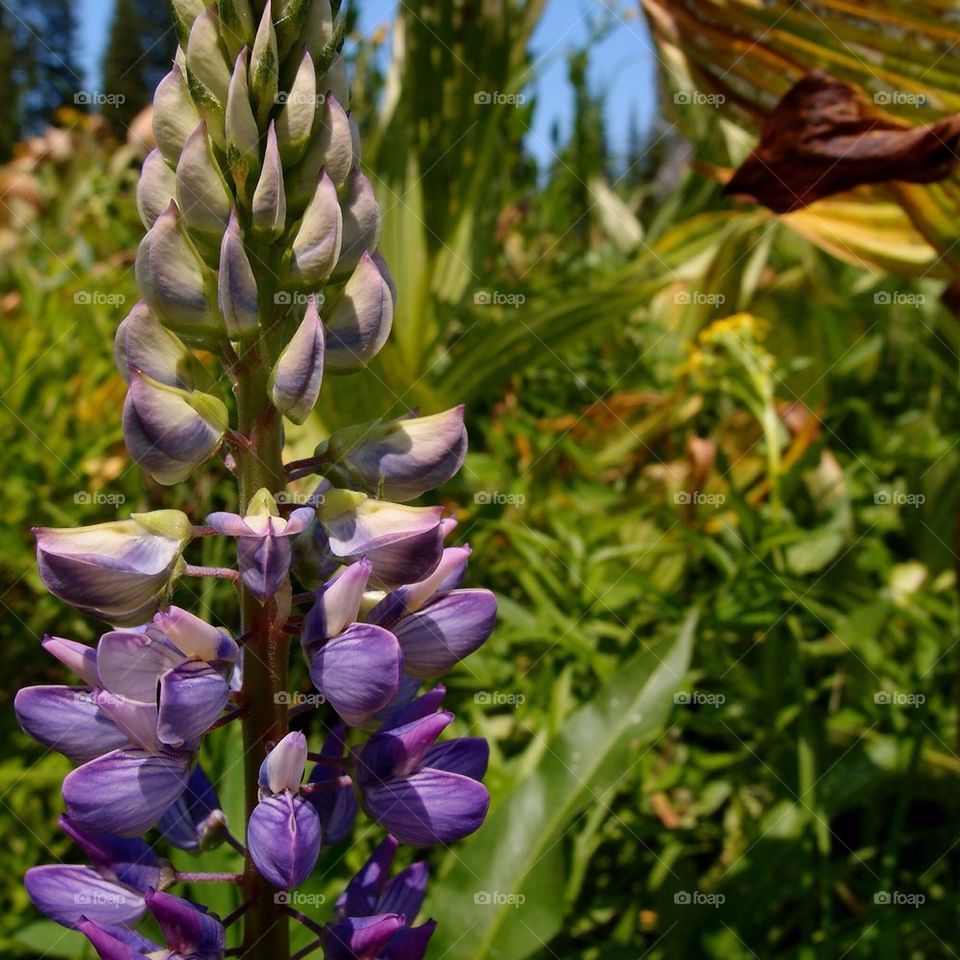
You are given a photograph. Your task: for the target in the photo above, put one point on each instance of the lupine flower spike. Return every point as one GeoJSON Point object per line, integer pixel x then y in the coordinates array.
{"type": "Point", "coordinates": [260, 254]}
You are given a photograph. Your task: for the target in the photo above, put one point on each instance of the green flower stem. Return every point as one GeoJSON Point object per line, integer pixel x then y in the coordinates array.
{"type": "Point", "coordinates": [259, 464]}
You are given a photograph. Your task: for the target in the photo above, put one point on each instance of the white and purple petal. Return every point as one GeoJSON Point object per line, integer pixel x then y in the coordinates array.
{"type": "Point", "coordinates": [283, 838]}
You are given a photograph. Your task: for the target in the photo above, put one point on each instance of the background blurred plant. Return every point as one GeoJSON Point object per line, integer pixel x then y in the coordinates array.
{"type": "Point", "coordinates": [790, 473]}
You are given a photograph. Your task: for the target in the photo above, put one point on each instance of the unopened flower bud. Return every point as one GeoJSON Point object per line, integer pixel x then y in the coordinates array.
{"type": "Point", "coordinates": [359, 323]}
{"type": "Point", "coordinates": [203, 196]}
{"type": "Point", "coordinates": [296, 377]}
{"type": "Point", "coordinates": [119, 571]}
{"type": "Point", "coordinates": [208, 71]}
{"type": "Point", "coordinates": [317, 30]}
{"type": "Point", "coordinates": [361, 222]}
{"type": "Point", "coordinates": [174, 115]}
{"type": "Point", "coordinates": [336, 81]}
{"type": "Point", "coordinates": [184, 14]}
{"type": "Point", "coordinates": [155, 188]}
{"type": "Point", "coordinates": [170, 431]}
{"type": "Point", "coordinates": [236, 24]}
{"type": "Point", "coordinates": [240, 128]}
{"type": "Point", "coordinates": [296, 116]}
{"type": "Point", "coordinates": [264, 67]}
{"type": "Point", "coordinates": [269, 199]}
{"type": "Point", "coordinates": [173, 279]}
{"type": "Point", "coordinates": [316, 247]}
{"type": "Point", "coordinates": [330, 149]}
{"type": "Point", "coordinates": [143, 344]}
{"type": "Point", "coordinates": [236, 285]}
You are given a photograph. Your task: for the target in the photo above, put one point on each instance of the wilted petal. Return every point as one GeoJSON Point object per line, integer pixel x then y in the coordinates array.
{"type": "Point", "coordinates": [361, 222]}
{"type": "Point", "coordinates": [316, 246]}
{"type": "Point", "coordinates": [236, 285]}
{"type": "Point", "coordinates": [66, 893]}
{"type": "Point", "coordinates": [173, 280]}
{"type": "Point", "coordinates": [78, 657]}
{"type": "Point", "coordinates": [359, 322]}
{"type": "Point", "coordinates": [68, 719]}
{"type": "Point", "coordinates": [337, 603]}
{"type": "Point", "coordinates": [440, 635]}
{"type": "Point", "coordinates": [156, 187]}
{"type": "Point", "coordinates": [358, 671]}
{"type": "Point", "coordinates": [192, 696]}
{"type": "Point", "coordinates": [283, 838]}
{"type": "Point", "coordinates": [187, 929]}
{"type": "Point", "coordinates": [295, 380]}
{"type": "Point", "coordinates": [169, 431]}
{"type": "Point", "coordinates": [143, 344]}
{"type": "Point", "coordinates": [283, 767]}
{"type": "Point", "coordinates": [124, 792]}
{"type": "Point", "coordinates": [401, 459]}
{"type": "Point", "coordinates": [431, 806]}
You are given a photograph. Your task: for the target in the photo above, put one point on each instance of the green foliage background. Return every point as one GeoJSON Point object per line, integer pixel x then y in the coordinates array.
{"type": "Point", "coordinates": [713, 480]}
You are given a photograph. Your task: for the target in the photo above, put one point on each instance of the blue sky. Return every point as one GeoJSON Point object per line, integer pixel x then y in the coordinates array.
{"type": "Point", "coordinates": [623, 64]}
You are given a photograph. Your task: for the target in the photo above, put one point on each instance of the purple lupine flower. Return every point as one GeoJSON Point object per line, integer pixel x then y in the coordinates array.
{"type": "Point", "coordinates": [375, 913]}
{"type": "Point", "coordinates": [356, 666]}
{"type": "Point", "coordinates": [283, 835]}
{"type": "Point", "coordinates": [400, 459]}
{"type": "Point", "coordinates": [189, 933]}
{"type": "Point", "coordinates": [111, 890]}
{"type": "Point", "coordinates": [263, 544]}
{"type": "Point", "coordinates": [336, 806]}
{"type": "Point", "coordinates": [195, 821]}
{"type": "Point", "coordinates": [423, 792]}
{"type": "Point", "coordinates": [120, 571]}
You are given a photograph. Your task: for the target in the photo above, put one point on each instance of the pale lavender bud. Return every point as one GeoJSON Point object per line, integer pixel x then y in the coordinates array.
{"type": "Point", "coordinates": [264, 67]}
{"type": "Point", "coordinates": [156, 187]}
{"type": "Point", "coordinates": [296, 116]}
{"type": "Point", "coordinates": [203, 196]}
{"type": "Point", "coordinates": [169, 431]}
{"type": "Point", "coordinates": [269, 199]}
{"type": "Point", "coordinates": [297, 375]}
{"type": "Point", "coordinates": [361, 222]}
{"type": "Point", "coordinates": [330, 149]}
{"type": "Point", "coordinates": [317, 31]}
{"type": "Point", "coordinates": [240, 128]}
{"type": "Point", "coordinates": [398, 460]}
{"type": "Point", "coordinates": [236, 285]}
{"type": "Point", "coordinates": [208, 70]}
{"type": "Point", "coordinates": [184, 13]}
{"type": "Point", "coordinates": [143, 344]}
{"type": "Point", "coordinates": [174, 115]}
{"type": "Point", "coordinates": [173, 279]}
{"type": "Point", "coordinates": [237, 24]}
{"type": "Point", "coordinates": [316, 247]}
{"type": "Point", "coordinates": [119, 571]}
{"type": "Point", "coordinates": [336, 81]}
{"type": "Point", "coordinates": [359, 322]}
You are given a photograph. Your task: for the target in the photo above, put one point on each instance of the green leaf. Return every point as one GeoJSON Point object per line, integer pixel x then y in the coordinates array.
{"type": "Point", "coordinates": [503, 896]}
